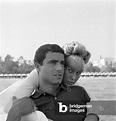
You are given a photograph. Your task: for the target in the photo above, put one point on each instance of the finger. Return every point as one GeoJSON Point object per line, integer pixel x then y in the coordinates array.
{"type": "Point", "coordinates": [33, 105]}
{"type": "Point", "coordinates": [32, 102]}
{"type": "Point", "coordinates": [14, 98]}
{"type": "Point", "coordinates": [35, 108]}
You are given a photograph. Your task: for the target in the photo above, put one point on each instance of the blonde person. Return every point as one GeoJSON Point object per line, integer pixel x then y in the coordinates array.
{"type": "Point", "coordinates": [75, 54]}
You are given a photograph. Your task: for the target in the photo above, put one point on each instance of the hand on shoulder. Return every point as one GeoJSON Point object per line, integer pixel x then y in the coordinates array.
{"type": "Point", "coordinates": [23, 105]}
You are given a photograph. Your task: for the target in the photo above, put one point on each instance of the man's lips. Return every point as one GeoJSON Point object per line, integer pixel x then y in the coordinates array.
{"type": "Point", "coordinates": [58, 75]}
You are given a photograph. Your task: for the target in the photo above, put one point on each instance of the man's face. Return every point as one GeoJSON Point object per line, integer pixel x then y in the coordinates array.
{"type": "Point", "coordinates": [52, 69]}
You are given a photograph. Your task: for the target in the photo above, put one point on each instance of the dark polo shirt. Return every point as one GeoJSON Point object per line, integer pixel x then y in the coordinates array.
{"type": "Point", "coordinates": [54, 107]}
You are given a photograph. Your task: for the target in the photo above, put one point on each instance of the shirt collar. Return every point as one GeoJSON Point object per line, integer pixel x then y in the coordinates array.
{"type": "Point", "coordinates": [37, 93]}
{"type": "Point", "coordinates": [64, 87]}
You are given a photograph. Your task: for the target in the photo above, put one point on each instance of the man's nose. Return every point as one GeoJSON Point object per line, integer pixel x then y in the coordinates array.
{"type": "Point", "coordinates": [59, 66]}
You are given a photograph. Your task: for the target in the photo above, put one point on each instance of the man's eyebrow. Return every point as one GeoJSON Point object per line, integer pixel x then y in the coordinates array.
{"type": "Point", "coordinates": [55, 61]}
{"type": "Point", "coordinates": [52, 61]}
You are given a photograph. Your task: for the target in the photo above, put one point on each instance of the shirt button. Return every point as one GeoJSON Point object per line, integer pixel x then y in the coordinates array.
{"type": "Point", "coordinates": [68, 89]}
{"type": "Point", "coordinates": [55, 98]}
{"type": "Point", "coordinates": [44, 93]}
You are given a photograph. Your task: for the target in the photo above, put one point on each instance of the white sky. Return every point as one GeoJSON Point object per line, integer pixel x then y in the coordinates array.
{"type": "Point", "coordinates": [27, 24]}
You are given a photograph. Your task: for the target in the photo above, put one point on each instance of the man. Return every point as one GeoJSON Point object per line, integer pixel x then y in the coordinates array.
{"type": "Point", "coordinates": [49, 62]}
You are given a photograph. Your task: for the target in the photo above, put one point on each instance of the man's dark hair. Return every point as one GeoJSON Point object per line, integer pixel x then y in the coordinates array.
{"type": "Point", "coordinates": [41, 52]}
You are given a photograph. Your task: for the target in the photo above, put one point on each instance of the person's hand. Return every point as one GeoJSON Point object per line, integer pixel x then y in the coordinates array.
{"type": "Point", "coordinates": [23, 105]}
{"type": "Point", "coordinates": [91, 117]}
{"type": "Point", "coordinates": [20, 107]}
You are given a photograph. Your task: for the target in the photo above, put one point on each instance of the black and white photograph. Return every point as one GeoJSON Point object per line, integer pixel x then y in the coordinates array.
{"type": "Point", "coordinates": [57, 60]}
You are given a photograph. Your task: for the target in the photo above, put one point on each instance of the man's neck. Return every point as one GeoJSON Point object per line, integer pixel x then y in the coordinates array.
{"type": "Point", "coordinates": [51, 89]}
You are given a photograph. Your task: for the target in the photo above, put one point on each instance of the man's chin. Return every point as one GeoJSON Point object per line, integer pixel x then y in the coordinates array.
{"type": "Point", "coordinates": [57, 82]}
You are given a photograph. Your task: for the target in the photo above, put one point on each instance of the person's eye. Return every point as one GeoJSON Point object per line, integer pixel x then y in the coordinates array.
{"type": "Point", "coordinates": [52, 62]}
{"type": "Point", "coordinates": [78, 73]}
{"type": "Point", "coordinates": [63, 63]}
{"type": "Point", "coordinates": [69, 70]}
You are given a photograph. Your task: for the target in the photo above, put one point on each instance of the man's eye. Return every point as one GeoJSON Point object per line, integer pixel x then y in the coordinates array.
{"type": "Point", "coordinates": [52, 62]}
{"type": "Point", "coordinates": [63, 63]}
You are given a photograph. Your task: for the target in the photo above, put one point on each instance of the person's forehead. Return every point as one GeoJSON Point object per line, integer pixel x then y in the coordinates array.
{"type": "Point", "coordinates": [74, 63]}
{"type": "Point", "coordinates": [54, 56]}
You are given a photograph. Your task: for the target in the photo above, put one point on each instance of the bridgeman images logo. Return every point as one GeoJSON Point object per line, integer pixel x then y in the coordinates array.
{"type": "Point", "coordinates": [101, 107]}
{"type": "Point", "coordinates": [70, 108]}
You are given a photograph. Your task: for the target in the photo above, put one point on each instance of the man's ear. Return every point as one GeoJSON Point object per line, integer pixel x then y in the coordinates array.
{"type": "Point", "coordinates": [37, 66]}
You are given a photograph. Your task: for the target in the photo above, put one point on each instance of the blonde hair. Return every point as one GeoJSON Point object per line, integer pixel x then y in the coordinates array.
{"type": "Point", "coordinates": [76, 48]}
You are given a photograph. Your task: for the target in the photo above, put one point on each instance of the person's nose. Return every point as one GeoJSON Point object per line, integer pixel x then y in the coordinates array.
{"type": "Point", "coordinates": [59, 66]}
{"type": "Point", "coordinates": [74, 76]}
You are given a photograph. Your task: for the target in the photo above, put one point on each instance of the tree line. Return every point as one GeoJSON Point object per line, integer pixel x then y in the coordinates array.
{"type": "Point", "coordinates": [109, 67]}
{"type": "Point", "coordinates": [20, 66]}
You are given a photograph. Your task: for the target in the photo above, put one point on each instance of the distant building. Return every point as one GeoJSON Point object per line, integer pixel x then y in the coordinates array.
{"type": "Point", "coordinates": [96, 63]}
{"type": "Point", "coordinates": [104, 62]}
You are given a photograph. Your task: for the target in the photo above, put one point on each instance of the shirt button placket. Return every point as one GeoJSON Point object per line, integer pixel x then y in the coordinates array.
{"type": "Point", "coordinates": [68, 89]}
